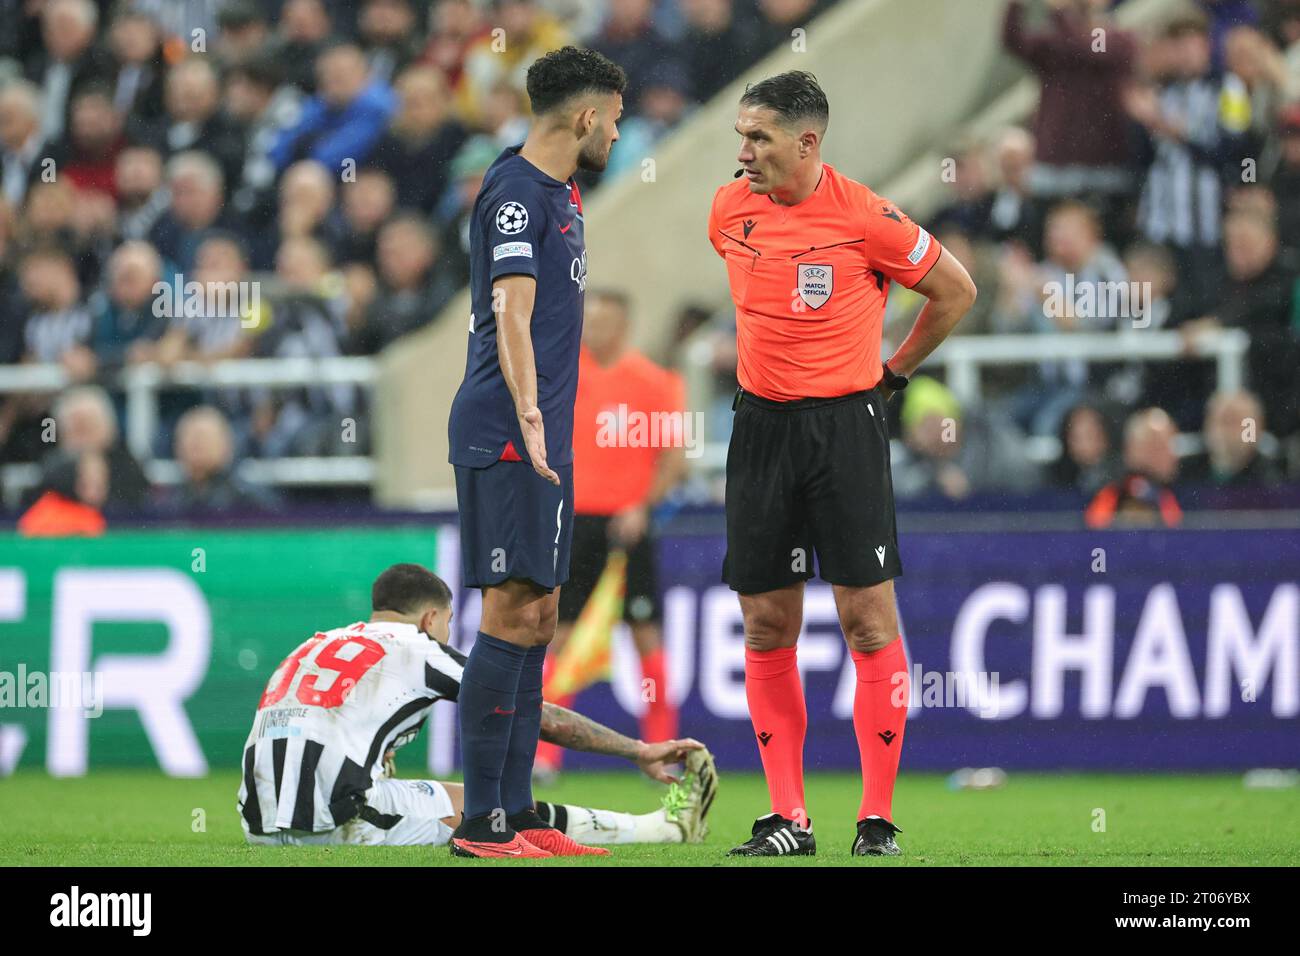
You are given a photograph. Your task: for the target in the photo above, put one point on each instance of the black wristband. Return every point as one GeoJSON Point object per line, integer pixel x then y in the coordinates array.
{"type": "Point", "coordinates": [896, 383]}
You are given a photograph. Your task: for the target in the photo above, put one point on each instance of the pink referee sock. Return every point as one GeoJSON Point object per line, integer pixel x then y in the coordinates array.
{"type": "Point", "coordinates": [776, 707]}
{"type": "Point", "coordinates": [879, 719]}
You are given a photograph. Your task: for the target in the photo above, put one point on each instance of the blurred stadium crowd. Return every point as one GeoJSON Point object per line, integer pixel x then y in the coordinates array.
{"type": "Point", "coordinates": [1173, 161]}
{"type": "Point", "coordinates": [1167, 158]}
{"type": "Point", "coordinates": [332, 150]}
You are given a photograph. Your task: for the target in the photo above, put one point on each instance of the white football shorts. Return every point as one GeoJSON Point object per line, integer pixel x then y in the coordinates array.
{"type": "Point", "coordinates": [397, 813]}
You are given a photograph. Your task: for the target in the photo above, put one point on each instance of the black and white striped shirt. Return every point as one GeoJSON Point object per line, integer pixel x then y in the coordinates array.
{"type": "Point", "coordinates": [330, 712]}
{"type": "Point", "coordinates": [181, 18]}
{"type": "Point", "coordinates": [1182, 200]}
{"type": "Point", "coordinates": [48, 335]}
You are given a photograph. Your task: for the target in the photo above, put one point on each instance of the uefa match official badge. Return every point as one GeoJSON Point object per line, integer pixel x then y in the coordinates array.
{"type": "Point", "coordinates": [816, 284]}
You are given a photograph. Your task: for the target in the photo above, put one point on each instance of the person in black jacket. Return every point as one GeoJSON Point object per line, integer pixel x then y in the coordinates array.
{"type": "Point", "coordinates": [419, 146]}
{"type": "Point", "coordinates": [209, 485]}
{"type": "Point", "coordinates": [717, 44]}
{"type": "Point", "coordinates": [1234, 437]}
{"type": "Point", "coordinates": [139, 71]}
{"type": "Point", "coordinates": [85, 423]}
{"type": "Point", "coordinates": [1285, 181]}
{"type": "Point", "coordinates": [193, 120]}
{"type": "Point", "coordinates": [1089, 457]}
{"type": "Point", "coordinates": [66, 60]}
{"type": "Point", "coordinates": [25, 154]}
{"type": "Point", "coordinates": [414, 287]}
{"type": "Point", "coordinates": [1260, 298]}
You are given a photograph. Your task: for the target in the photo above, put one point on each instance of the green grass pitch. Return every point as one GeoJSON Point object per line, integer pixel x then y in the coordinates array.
{"type": "Point", "coordinates": [140, 818]}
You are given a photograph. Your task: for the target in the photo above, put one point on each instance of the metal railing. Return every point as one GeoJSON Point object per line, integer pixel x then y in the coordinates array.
{"type": "Point", "coordinates": [963, 357]}
{"type": "Point", "coordinates": [143, 384]}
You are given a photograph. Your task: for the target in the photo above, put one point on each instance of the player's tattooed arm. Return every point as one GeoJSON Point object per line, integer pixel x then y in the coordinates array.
{"type": "Point", "coordinates": [573, 731]}
{"type": "Point", "coordinates": [563, 727]}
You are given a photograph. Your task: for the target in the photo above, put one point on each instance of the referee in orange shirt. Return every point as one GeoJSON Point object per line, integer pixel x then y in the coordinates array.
{"type": "Point", "coordinates": [810, 258]}
{"type": "Point", "coordinates": [628, 455]}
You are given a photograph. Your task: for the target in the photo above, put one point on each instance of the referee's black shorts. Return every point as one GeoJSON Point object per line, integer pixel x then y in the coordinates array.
{"type": "Point", "coordinates": [591, 548]}
{"type": "Point", "coordinates": [810, 478]}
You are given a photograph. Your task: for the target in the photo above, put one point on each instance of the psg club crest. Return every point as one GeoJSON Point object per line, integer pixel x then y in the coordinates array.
{"type": "Point", "coordinates": [512, 218]}
{"type": "Point", "coordinates": [816, 284]}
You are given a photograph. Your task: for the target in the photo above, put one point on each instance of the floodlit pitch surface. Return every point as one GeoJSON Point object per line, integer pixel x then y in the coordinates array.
{"type": "Point", "coordinates": [140, 818]}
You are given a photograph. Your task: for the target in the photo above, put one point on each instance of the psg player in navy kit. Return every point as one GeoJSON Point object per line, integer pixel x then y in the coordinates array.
{"type": "Point", "coordinates": [511, 434]}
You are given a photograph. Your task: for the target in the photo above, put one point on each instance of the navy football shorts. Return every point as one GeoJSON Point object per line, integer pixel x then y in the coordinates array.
{"type": "Point", "coordinates": [514, 524]}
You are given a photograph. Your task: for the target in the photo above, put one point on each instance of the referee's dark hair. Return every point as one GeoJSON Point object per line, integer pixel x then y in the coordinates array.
{"type": "Point", "coordinates": [406, 588]}
{"type": "Point", "coordinates": [794, 96]}
{"type": "Point", "coordinates": [559, 76]}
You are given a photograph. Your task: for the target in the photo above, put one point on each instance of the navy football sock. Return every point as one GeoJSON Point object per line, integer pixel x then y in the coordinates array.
{"type": "Point", "coordinates": [517, 776]}
{"type": "Point", "coordinates": [486, 709]}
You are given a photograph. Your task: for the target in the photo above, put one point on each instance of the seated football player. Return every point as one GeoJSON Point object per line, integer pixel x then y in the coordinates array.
{"type": "Point", "coordinates": [318, 763]}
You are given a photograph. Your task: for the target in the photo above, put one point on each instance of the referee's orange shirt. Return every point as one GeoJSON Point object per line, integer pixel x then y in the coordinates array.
{"type": "Point", "coordinates": [810, 282]}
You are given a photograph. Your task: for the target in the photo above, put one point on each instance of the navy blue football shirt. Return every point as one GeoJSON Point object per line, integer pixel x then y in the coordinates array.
{"type": "Point", "coordinates": [524, 223]}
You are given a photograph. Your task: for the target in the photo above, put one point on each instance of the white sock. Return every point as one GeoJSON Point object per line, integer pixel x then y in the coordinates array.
{"type": "Point", "coordinates": [608, 827]}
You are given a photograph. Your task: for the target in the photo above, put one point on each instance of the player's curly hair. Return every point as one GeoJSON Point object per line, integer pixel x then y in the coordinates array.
{"type": "Point", "coordinates": [562, 74]}
{"type": "Point", "coordinates": [795, 96]}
